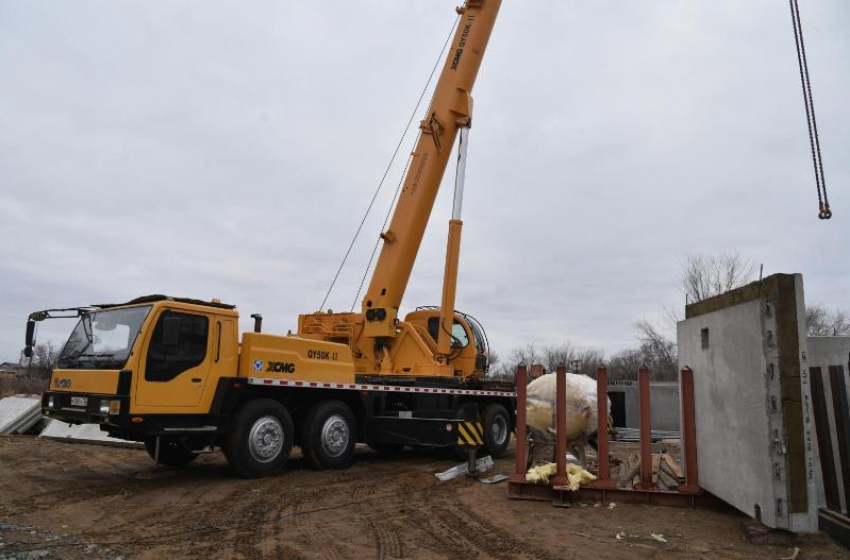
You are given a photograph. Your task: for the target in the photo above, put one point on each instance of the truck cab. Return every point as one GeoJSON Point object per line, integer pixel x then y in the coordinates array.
{"type": "Point", "coordinates": [153, 355]}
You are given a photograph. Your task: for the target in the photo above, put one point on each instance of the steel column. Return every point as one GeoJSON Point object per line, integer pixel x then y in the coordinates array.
{"type": "Point", "coordinates": [645, 431]}
{"type": "Point", "coordinates": [689, 432]}
{"type": "Point", "coordinates": [603, 472]}
{"type": "Point", "coordinates": [561, 426]}
{"type": "Point", "coordinates": [521, 437]}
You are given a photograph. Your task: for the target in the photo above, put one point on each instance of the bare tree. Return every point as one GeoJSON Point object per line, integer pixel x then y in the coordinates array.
{"type": "Point", "coordinates": [821, 321]}
{"type": "Point", "coordinates": [705, 276]}
{"type": "Point", "coordinates": [42, 362]}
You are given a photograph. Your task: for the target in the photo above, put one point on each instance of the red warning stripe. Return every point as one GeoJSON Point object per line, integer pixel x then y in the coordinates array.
{"type": "Point", "coordinates": [380, 388]}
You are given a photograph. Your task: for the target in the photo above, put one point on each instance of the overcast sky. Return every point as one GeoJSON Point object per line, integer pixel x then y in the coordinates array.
{"type": "Point", "coordinates": [228, 149]}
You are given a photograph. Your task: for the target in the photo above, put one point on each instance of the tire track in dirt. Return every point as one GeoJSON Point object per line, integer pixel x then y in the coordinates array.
{"type": "Point", "coordinates": [388, 544]}
{"type": "Point", "coordinates": [454, 526]}
{"type": "Point", "coordinates": [321, 542]}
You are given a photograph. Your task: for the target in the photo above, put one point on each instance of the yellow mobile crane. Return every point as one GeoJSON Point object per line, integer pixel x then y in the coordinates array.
{"type": "Point", "coordinates": [172, 373]}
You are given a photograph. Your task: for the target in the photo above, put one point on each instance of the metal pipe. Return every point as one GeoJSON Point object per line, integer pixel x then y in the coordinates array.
{"type": "Point", "coordinates": [689, 432]}
{"type": "Point", "coordinates": [645, 431]}
{"type": "Point", "coordinates": [460, 176]}
{"type": "Point", "coordinates": [521, 436]}
{"type": "Point", "coordinates": [603, 477]}
{"type": "Point", "coordinates": [561, 427]}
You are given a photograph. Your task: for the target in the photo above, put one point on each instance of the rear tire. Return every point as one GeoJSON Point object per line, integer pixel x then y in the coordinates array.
{"type": "Point", "coordinates": [497, 430]}
{"type": "Point", "coordinates": [260, 440]}
{"type": "Point", "coordinates": [171, 452]}
{"type": "Point", "coordinates": [328, 436]}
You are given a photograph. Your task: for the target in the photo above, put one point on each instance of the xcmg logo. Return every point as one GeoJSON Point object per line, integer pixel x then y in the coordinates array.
{"type": "Point", "coordinates": [280, 367]}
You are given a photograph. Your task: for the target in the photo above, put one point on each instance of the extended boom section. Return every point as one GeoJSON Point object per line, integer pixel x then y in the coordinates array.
{"type": "Point", "coordinates": [427, 342]}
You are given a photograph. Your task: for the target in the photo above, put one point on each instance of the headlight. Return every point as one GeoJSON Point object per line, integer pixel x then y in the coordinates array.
{"type": "Point", "coordinates": [110, 407]}
{"type": "Point", "coordinates": [50, 401]}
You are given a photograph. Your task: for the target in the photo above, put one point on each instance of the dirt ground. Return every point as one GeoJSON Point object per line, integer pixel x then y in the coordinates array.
{"type": "Point", "coordinates": [60, 500]}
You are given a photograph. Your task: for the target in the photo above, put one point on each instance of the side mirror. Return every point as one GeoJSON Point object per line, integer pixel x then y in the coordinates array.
{"type": "Point", "coordinates": [170, 332]}
{"type": "Point", "coordinates": [30, 338]}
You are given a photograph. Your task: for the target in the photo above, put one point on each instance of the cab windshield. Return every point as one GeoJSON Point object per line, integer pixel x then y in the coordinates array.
{"type": "Point", "coordinates": [103, 339]}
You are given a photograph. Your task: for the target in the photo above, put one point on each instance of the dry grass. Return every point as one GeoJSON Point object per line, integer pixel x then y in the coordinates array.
{"type": "Point", "coordinates": [20, 385]}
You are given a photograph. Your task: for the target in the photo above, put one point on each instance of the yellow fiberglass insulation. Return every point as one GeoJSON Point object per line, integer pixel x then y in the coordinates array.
{"type": "Point", "coordinates": [576, 475]}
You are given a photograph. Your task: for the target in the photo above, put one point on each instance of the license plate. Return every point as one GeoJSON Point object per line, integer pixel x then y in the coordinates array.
{"type": "Point", "coordinates": [79, 401]}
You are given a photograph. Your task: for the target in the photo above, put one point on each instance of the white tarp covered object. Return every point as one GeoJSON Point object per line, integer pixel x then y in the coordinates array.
{"type": "Point", "coordinates": [82, 433]}
{"type": "Point", "coordinates": [582, 410]}
{"type": "Point", "coordinates": [19, 413]}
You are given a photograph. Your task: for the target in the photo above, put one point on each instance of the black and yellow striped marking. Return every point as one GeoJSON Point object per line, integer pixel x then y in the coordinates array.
{"type": "Point", "coordinates": [470, 433]}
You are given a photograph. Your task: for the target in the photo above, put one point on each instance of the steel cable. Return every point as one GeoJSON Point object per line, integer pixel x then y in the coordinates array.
{"type": "Point", "coordinates": [387, 170]}
{"type": "Point", "coordinates": [824, 211]}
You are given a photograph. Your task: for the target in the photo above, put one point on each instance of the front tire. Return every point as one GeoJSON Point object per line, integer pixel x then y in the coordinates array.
{"type": "Point", "coordinates": [260, 440]}
{"type": "Point", "coordinates": [497, 430]}
{"type": "Point", "coordinates": [329, 435]}
{"type": "Point", "coordinates": [171, 452]}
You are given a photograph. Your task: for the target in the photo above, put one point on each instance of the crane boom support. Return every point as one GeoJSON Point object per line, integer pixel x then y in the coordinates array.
{"type": "Point", "coordinates": [451, 108]}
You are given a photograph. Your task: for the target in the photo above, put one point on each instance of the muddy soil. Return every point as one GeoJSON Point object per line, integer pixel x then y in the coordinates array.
{"type": "Point", "coordinates": [60, 500]}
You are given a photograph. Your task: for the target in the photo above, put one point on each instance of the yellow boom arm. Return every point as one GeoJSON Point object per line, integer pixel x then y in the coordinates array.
{"type": "Point", "coordinates": [451, 109]}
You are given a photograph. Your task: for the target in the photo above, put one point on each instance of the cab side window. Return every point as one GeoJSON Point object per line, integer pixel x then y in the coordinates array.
{"type": "Point", "coordinates": [459, 337]}
{"type": "Point", "coordinates": [178, 344]}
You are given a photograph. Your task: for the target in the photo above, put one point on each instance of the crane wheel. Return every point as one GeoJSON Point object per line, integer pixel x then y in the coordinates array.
{"type": "Point", "coordinates": [171, 453]}
{"type": "Point", "coordinates": [261, 439]}
{"type": "Point", "coordinates": [497, 430]}
{"type": "Point", "coordinates": [328, 436]}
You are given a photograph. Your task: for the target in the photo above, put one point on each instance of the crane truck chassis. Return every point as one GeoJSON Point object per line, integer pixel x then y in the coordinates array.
{"type": "Point", "coordinates": [172, 372]}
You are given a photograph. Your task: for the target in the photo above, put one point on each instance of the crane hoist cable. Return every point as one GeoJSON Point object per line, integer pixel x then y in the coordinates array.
{"type": "Point", "coordinates": [389, 166]}
{"type": "Point", "coordinates": [383, 228]}
{"type": "Point", "coordinates": [824, 212]}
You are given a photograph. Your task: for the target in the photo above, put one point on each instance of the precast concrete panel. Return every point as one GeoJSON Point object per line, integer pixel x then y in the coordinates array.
{"type": "Point", "coordinates": [756, 442]}
{"type": "Point", "coordinates": [733, 435]}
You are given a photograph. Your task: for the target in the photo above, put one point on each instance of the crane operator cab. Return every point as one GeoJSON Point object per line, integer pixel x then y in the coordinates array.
{"type": "Point", "coordinates": [469, 345]}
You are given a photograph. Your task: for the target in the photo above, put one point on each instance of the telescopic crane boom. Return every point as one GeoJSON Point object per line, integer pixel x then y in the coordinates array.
{"type": "Point", "coordinates": [382, 343]}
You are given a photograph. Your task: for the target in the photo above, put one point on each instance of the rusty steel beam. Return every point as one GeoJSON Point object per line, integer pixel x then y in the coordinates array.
{"type": "Point", "coordinates": [521, 436]}
{"type": "Point", "coordinates": [561, 426]}
{"type": "Point", "coordinates": [645, 418]}
{"type": "Point", "coordinates": [689, 432]}
{"type": "Point", "coordinates": [603, 475]}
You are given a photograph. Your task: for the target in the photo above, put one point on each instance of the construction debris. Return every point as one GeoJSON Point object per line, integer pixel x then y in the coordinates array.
{"type": "Point", "coordinates": [794, 555]}
{"type": "Point", "coordinates": [19, 414]}
{"type": "Point", "coordinates": [667, 474]}
{"type": "Point", "coordinates": [633, 435]}
{"type": "Point", "coordinates": [658, 537]}
{"type": "Point", "coordinates": [82, 433]}
{"type": "Point", "coordinates": [495, 479]}
{"type": "Point", "coordinates": [481, 465]}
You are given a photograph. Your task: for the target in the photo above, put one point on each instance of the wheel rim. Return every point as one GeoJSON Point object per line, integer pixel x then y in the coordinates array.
{"type": "Point", "coordinates": [499, 430]}
{"type": "Point", "coordinates": [266, 439]}
{"type": "Point", "coordinates": [335, 435]}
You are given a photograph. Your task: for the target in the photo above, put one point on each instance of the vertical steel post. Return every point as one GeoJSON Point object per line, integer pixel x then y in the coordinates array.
{"type": "Point", "coordinates": [521, 437]}
{"type": "Point", "coordinates": [645, 431]}
{"type": "Point", "coordinates": [603, 479]}
{"type": "Point", "coordinates": [689, 432]}
{"type": "Point", "coordinates": [561, 427]}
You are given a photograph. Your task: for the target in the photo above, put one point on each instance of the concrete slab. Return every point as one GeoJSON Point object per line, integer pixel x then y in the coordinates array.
{"type": "Point", "coordinates": [19, 413]}
{"type": "Point", "coordinates": [82, 433]}
{"type": "Point", "coordinates": [756, 445]}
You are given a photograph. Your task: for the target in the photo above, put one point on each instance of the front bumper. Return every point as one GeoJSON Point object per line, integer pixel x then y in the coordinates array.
{"type": "Point", "coordinates": [63, 409]}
